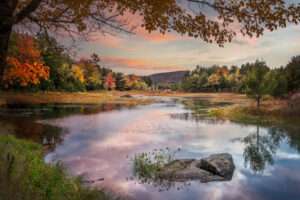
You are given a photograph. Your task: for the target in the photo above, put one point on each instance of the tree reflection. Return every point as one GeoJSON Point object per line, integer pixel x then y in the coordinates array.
{"type": "Point", "coordinates": [198, 118]}
{"type": "Point", "coordinates": [30, 129]}
{"type": "Point", "coordinates": [293, 137]}
{"type": "Point", "coordinates": [25, 120]}
{"type": "Point", "coordinates": [260, 149]}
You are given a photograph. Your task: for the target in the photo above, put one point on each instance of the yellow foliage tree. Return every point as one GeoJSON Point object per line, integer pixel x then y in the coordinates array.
{"type": "Point", "coordinates": [78, 73]}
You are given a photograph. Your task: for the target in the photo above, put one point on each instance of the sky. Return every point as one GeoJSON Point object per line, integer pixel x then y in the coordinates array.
{"type": "Point", "coordinates": [144, 54]}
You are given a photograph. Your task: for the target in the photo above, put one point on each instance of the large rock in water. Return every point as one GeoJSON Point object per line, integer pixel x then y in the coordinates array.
{"type": "Point", "coordinates": [217, 167]}
{"type": "Point", "coordinates": [219, 164]}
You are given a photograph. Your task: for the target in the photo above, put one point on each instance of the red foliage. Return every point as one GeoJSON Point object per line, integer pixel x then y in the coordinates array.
{"type": "Point", "coordinates": [109, 82]}
{"type": "Point", "coordinates": [223, 70]}
{"type": "Point", "coordinates": [131, 79]}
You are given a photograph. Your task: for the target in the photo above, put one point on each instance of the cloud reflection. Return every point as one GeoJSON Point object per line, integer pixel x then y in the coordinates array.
{"type": "Point", "coordinates": [98, 144]}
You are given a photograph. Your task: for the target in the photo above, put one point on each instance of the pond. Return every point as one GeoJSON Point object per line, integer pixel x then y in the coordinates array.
{"type": "Point", "coordinates": [98, 141]}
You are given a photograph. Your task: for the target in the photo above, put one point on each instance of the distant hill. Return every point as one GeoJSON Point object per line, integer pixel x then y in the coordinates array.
{"type": "Point", "coordinates": [170, 77]}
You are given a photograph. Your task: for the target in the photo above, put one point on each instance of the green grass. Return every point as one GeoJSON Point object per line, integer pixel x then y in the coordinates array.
{"type": "Point", "coordinates": [237, 113]}
{"type": "Point", "coordinates": [220, 113]}
{"type": "Point", "coordinates": [25, 175]}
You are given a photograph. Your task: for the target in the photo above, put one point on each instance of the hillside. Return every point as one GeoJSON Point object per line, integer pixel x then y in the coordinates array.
{"type": "Point", "coordinates": [173, 77]}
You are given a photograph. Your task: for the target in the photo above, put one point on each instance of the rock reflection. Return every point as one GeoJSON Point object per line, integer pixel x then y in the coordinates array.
{"type": "Point", "coordinates": [260, 149]}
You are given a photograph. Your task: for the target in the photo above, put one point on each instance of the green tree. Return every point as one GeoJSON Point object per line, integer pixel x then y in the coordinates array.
{"type": "Point", "coordinates": [139, 85]}
{"type": "Point", "coordinates": [55, 56]}
{"type": "Point", "coordinates": [67, 81]}
{"type": "Point", "coordinates": [280, 85]}
{"type": "Point", "coordinates": [292, 71]}
{"type": "Point", "coordinates": [257, 83]}
{"type": "Point", "coordinates": [120, 81]}
{"type": "Point", "coordinates": [213, 82]}
{"type": "Point", "coordinates": [147, 80]}
{"type": "Point", "coordinates": [224, 84]}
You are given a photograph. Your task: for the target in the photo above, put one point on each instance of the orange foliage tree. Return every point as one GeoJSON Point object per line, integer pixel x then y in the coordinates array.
{"type": "Point", "coordinates": [223, 70]}
{"type": "Point", "coordinates": [26, 67]}
{"type": "Point", "coordinates": [109, 81]}
{"type": "Point", "coordinates": [131, 80]}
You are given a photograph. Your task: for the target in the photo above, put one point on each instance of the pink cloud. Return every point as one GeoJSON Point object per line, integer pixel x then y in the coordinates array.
{"type": "Point", "coordinates": [296, 27]}
{"type": "Point", "coordinates": [253, 53]}
{"type": "Point", "coordinates": [153, 37]}
{"type": "Point", "coordinates": [110, 41]}
{"type": "Point", "coordinates": [156, 37]}
{"type": "Point", "coordinates": [144, 64]}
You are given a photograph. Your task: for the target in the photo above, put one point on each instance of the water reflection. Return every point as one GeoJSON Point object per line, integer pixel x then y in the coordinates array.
{"type": "Point", "coordinates": [198, 118]}
{"type": "Point", "coordinates": [260, 149]}
{"type": "Point", "coordinates": [29, 128]}
{"type": "Point", "coordinates": [294, 137]}
{"type": "Point", "coordinates": [96, 143]}
{"type": "Point", "coordinates": [25, 119]}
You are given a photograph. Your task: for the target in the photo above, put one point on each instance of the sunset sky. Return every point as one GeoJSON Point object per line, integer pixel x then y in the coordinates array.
{"type": "Point", "coordinates": [144, 53]}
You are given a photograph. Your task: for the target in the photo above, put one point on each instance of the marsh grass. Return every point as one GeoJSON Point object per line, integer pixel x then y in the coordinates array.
{"type": "Point", "coordinates": [25, 175]}
{"type": "Point", "coordinates": [205, 107]}
{"type": "Point", "coordinates": [109, 97]}
{"type": "Point", "coordinates": [69, 98]}
{"type": "Point", "coordinates": [270, 110]}
{"type": "Point", "coordinates": [146, 165]}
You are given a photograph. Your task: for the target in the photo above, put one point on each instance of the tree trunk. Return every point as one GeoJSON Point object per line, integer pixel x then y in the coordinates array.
{"type": "Point", "coordinates": [7, 8]}
{"type": "Point", "coordinates": [257, 138]}
{"type": "Point", "coordinates": [258, 103]}
{"type": "Point", "coordinates": [4, 39]}
{"type": "Point", "coordinates": [7, 20]}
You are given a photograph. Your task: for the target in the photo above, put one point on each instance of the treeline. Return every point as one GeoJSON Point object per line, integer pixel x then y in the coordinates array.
{"type": "Point", "coordinates": [41, 63]}
{"type": "Point", "coordinates": [279, 81]}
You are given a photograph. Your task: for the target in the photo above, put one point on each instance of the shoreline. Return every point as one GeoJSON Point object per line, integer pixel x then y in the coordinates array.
{"type": "Point", "coordinates": [110, 97]}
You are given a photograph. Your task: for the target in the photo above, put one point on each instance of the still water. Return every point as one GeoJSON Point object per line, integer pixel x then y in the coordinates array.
{"type": "Point", "coordinates": [96, 140]}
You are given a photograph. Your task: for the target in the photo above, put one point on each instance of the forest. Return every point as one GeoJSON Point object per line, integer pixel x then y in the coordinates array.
{"type": "Point", "coordinates": [276, 81]}
{"type": "Point", "coordinates": [42, 64]}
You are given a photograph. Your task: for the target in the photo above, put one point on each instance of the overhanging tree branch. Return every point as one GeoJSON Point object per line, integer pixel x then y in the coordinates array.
{"type": "Point", "coordinates": [31, 7]}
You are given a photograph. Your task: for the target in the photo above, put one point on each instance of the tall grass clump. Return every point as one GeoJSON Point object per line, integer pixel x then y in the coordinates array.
{"type": "Point", "coordinates": [146, 165]}
{"type": "Point", "coordinates": [25, 175]}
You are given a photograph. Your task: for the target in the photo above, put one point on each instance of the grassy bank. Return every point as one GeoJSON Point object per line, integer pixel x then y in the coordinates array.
{"type": "Point", "coordinates": [237, 108]}
{"type": "Point", "coordinates": [25, 175]}
{"type": "Point", "coordinates": [74, 98]}
{"type": "Point", "coordinates": [110, 97]}
{"type": "Point", "coordinates": [270, 111]}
